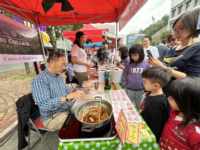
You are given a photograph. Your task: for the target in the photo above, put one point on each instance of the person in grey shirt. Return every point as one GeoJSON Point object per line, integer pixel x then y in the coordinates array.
{"type": "Point", "coordinates": [162, 49]}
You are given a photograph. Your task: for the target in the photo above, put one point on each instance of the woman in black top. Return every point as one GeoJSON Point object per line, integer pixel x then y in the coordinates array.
{"type": "Point", "coordinates": [188, 64]}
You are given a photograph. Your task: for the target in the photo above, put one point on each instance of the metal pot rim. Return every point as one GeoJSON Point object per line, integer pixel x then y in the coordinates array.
{"type": "Point", "coordinates": [91, 124]}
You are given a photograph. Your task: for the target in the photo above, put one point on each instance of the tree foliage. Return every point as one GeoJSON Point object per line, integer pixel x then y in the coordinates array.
{"type": "Point", "coordinates": [154, 43]}
{"type": "Point", "coordinates": [56, 32]}
{"type": "Point", "coordinates": [153, 28]}
{"type": "Point", "coordinates": [163, 35]}
{"type": "Point", "coordinates": [140, 42]}
{"type": "Point", "coordinates": [6, 14]}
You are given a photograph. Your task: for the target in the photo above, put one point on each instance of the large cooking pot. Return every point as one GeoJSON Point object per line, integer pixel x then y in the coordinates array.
{"type": "Point", "coordinates": [89, 127]}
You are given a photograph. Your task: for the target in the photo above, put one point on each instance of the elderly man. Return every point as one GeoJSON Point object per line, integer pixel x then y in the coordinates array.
{"type": "Point", "coordinates": [51, 93]}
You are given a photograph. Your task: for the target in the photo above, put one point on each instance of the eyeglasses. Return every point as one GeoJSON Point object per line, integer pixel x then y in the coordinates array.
{"type": "Point", "coordinates": [172, 40]}
{"type": "Point", "coordinates": [180, 30]}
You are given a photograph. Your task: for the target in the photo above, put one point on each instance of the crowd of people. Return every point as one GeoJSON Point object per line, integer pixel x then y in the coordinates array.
{"type": "Point", "coordinates": [170, 80]}
{"type": "Point", "coordinates": [167, 77]}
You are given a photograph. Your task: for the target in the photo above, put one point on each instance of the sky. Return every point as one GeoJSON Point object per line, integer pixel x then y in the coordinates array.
{"type": "Point", "coordinates": [143, 18]}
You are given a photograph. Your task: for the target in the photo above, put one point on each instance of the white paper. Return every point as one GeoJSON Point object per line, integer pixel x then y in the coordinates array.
{"type": "Point", "coordinates": [120, 101]}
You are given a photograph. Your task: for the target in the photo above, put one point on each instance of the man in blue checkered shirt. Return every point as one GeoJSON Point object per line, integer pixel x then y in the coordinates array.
{"type": "Point", "coordinates": [51, 93]}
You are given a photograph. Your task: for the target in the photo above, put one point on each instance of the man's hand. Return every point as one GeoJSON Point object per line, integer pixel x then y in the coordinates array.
{"type": "Point", "coordinates": [77, 94]}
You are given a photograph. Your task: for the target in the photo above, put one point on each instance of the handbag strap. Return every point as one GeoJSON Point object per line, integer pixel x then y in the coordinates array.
{"type": "Point", "coordinates": [191, 46]}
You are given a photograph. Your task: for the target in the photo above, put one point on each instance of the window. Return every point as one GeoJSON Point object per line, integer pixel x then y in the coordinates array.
{"type": "Point", "coordinates": [188, 5]}
{"type": "Point", "coordinates": [131, 38]}
{"type": "Point", "coordinates": [170, 26]}
{"type": "Point", "coordinates": [180, 9]}
{"type": "Point", "coordinates": [196, 2]}
{"type": "Point", "coordinates": [173, 13]}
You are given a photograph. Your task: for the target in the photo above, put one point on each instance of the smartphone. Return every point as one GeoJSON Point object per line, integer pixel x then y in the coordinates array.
{"type": "Point", "coordinates": [149, 53]}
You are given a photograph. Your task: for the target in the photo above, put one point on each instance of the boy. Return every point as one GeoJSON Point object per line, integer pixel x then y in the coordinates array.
{"type": "Point", "coordinates": [154, 106]}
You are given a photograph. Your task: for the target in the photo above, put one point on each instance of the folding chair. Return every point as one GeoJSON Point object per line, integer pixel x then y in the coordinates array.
{"type": "Point", "coordinates": [37, 125]}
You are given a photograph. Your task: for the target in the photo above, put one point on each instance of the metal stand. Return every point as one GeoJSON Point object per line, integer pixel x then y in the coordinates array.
{"type": "Point", "coordinates": [40, 37]}
{"type": "Point", "coordinates": [41, 137]}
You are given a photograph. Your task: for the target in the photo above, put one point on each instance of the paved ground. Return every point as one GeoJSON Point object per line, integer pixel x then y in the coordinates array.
{"type": "Point", "coordinates": [10, 91]}
{"type": "Point", "coordinates": [9, 94]}
{"type": "Point", "coordinates": [50, 137]}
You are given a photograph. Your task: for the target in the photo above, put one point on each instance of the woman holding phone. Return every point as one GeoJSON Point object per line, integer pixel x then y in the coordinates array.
{"type": "Point", "coordinates": [183, 60]}
{"type": "Point", "coordinates": [147, 46]}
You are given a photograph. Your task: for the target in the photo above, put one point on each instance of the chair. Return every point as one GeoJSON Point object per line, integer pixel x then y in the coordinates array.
{"type": "Point", "coordinates": [38, 126]}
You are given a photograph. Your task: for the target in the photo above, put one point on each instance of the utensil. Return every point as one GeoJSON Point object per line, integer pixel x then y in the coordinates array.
{"type": "Point", "coordinates": [96, 86]}
{"type": "Point", "coordinates": [100, 110]}
{"type": "Point", "coordinates": [89, 127]}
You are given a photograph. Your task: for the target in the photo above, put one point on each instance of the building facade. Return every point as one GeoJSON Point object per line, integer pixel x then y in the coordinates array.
{"type": "Point", "coordinates": [133, 38]}
{"type": "Point", "coordinates": [180, 6]}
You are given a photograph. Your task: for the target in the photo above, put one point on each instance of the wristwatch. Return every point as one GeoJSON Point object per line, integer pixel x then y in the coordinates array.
{"type": "Point", "coordinates": [66, 98]}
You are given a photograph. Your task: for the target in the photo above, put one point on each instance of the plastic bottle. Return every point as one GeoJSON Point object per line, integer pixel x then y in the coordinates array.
{"type": "Point", "coordinates": [109, 79]}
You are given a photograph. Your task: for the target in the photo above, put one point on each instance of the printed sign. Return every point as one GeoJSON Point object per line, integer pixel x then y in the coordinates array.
{"type": "Point", "coordinates": [142, 125]}
{"type": "Point", "coordinates": [133, 133]}
{"type": "Point", "coordinates": [18, 43]}
{"type": "Point", "coordinates": [121, 126]}
{"type": "Point", "coordinates": [144, 134]}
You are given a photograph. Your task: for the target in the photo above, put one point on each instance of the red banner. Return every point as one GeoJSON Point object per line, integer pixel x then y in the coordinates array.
{"type": "Point", "coordinates": [132, 8]}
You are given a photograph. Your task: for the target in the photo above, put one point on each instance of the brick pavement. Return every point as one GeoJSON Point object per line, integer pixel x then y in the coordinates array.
{"type": "Point", "coordinates": [10, 91]}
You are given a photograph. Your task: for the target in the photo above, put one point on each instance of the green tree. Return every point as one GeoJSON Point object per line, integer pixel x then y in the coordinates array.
{"type": "Point", "coordinates": [140, 42]}
{"type": "Point", "coordinates": [153, 28]}
{"type": "Point", "coordinates": [6, 14]}
{"type": "Point", "coordinates": [55, 33]}
{"type": "Point", "coordinates": [163, 35]}
{"type": "Point", "coordinates": [153, 43]}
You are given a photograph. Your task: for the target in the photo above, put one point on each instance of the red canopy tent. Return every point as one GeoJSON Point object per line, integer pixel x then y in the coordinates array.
{"type": "Point", "coordinates": [90, 31]}
{"type": "Point", "coordinates": [85, 12]}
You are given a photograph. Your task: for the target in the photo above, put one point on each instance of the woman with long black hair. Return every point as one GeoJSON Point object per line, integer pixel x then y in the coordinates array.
{"type": "Point", "coordinates": [79, 58]}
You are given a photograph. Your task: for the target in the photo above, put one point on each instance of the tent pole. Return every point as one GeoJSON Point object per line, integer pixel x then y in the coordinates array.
{"type": "Point", "coordinates": [116, 38]}
{"type": "Point", "coordinates": [40, 37]}
{"type": "Point", "coordinates": [65, 50]}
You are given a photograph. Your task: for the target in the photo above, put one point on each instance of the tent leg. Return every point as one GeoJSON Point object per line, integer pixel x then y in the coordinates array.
{"type": "Point", "coordinates": [66, 56]}
{"type": "Point", "coordinates": [40, 37]}
{"type": "Point", "coordinates": [116, 39]}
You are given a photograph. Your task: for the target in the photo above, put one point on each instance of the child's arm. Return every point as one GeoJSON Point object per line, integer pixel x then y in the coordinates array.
{"type": "Point", "coordinates": [124, 77]}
